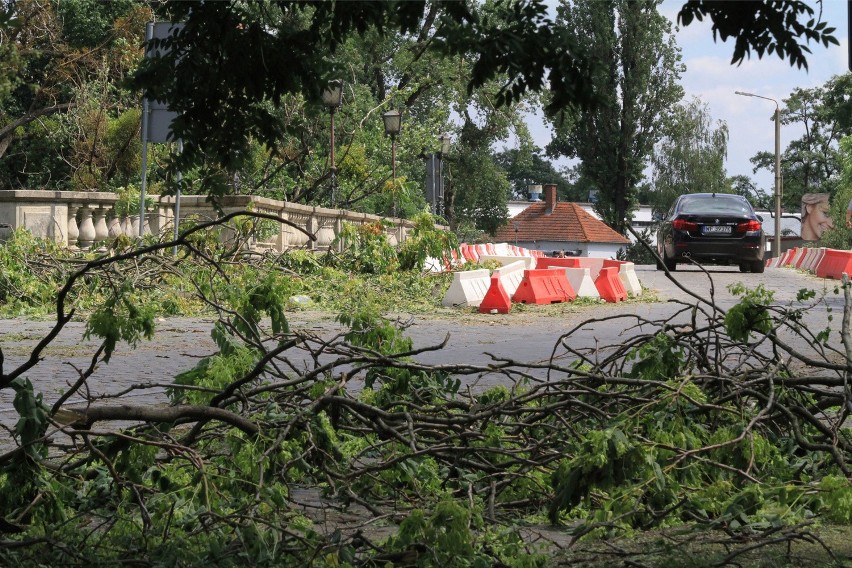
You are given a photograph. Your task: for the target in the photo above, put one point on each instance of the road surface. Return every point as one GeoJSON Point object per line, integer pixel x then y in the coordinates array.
{"type": "Point", "coordinates": [527, 333]}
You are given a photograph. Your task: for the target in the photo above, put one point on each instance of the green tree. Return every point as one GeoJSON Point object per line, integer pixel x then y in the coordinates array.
{"type": "Point", "coordinates": [59, 58]}
{"type": "Point", "coordinates": [840, 237]}
{"type": "Point", "coordinates": [810, 164]}
{"type": "Point", "coordinates": [275, 48]}
{"type": "Point", "coordinates": [690, 156]}
{"type": "Point", "coordinates": [635, 83]}
{"type": "Point", "coordinates": [527, 165]}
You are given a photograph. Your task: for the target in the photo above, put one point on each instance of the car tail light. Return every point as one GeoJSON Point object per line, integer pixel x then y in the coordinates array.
{"type": "Point", "coordinates": [749, 226]}
{"type": "Point", "coordinates": [683, 225]}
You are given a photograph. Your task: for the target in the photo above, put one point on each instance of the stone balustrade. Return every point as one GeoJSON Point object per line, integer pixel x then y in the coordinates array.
{"type": "Point", "coordinates": [85, 220]}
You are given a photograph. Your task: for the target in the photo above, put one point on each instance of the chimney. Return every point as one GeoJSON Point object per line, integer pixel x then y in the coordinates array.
{"type": "Point", "coordinates": [549, 197]}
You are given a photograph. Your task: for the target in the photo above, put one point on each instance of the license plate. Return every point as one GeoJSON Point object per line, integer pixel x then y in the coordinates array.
{"type": "Point", "coordinates": [717, 229]}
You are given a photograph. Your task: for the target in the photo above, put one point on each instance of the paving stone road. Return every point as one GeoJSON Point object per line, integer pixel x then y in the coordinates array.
{"type": "Point", "coordinates": [524, 334]}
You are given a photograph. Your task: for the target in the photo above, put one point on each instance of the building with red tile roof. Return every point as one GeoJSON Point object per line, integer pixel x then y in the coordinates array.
{"type": "Point", "coordinates": [553, 226]}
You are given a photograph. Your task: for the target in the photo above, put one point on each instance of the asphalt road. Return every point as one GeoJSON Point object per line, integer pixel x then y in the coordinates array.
{"type": "Point", "coordinates": [527, 333]}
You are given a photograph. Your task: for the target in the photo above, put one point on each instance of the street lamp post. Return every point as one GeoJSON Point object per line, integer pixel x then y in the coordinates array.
{"type": "Point", "coordinates": [777, 246]}
{"type": "Point", "coordinates": [332, 97]}
{"type": "Point", "coordinates": [393, 126]}
{"type": "Point", "coordinates": [445, 141]}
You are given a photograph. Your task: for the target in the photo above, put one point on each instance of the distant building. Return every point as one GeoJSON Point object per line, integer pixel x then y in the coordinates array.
{"type": "Point", "coordinates": [553, 226]}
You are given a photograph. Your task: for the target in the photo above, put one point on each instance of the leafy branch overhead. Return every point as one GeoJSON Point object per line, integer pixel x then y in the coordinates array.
{"type": "Point", "coordinates": [765, 27]}
{"type": "Point", "coordinates": [230, 58]}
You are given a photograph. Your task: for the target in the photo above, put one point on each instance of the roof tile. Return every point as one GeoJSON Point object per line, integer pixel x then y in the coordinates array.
{"type": "Point", "coordinates": [568, 222]}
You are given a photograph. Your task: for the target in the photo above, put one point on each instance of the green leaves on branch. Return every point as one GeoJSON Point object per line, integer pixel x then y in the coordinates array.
{"type": "Point", "coordinates": [751, 314]}
{"type": "Point", "coordinates": [32, 417]}
{"type": "Point", "coordinates": [123, 317]}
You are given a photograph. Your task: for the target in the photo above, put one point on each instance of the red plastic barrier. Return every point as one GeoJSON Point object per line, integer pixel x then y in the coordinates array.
{"type": "Point", "coordinates": [543, 286]}
{"type": "Point", "coordinates": [491, 248]}
{"type": "Point", "coordinates": [496, 298]}
{"type": "Point", "coordinates": [548, 262]}
{"type": "Point", "coordinates": [834, 264]}
{"type": "Point", "coordinates": [468, 253]}
{"type": "Point", "coordinates": [480, 250]}
{"type": "Point", "coordinates": [803, 253]}
{"type": "Point", "coordinates": [609, 285]}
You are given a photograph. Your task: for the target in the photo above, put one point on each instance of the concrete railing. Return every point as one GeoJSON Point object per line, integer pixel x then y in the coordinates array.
{"type": "Point", "coordinates": [84, 220]}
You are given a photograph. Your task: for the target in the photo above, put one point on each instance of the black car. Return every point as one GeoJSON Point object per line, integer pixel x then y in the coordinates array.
{"type": "Point", "coordinates": [712, 228]}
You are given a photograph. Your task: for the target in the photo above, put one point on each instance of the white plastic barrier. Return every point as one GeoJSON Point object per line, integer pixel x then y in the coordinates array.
{"type": "Point", "coordinates": [529, 262]}
{"type": "Point", "coordinates": [502, 249]}
{"type": "Point", "coordinates": [627, 275]}
{"type": "Point", "coordinates": [818, 256]}
{"type": "Point", "coordinates": [797, 254]}
{"type": "Point", "coordinates": [809, 263]}
{"type": "Point", "coordinates": [467, 289]}
{"type": "Point", "coordinates": [512, 274]}
{"type": "Point", "coordinates": [433, 265]}
{"type": "Point", "coordinates": [581, 281]}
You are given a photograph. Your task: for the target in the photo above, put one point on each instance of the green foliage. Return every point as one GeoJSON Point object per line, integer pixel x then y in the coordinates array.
{"type": "Point", "coordinates": [366, 249]}
{"type": "Point", "coordinates": [32, 417]}
{"type": "Point", "coordinates": [615, 138]}
{"type": "Point", "coordinates": [128, 201]}
{"type": "Point", "coordinates": [425, 240]}
{"type": "Point", "coordinates": [836, 496]}
{"type": "Point", "coordinates": [751, 314]}
{"type": "Point", "coordinates": [659, 359]}
{"type": "Point", "coordinates": [123, 317]}
{"type": "Point", "coordinates": [637, 252]}
{"type": "Point", "coordinates": [24, 288]}
{"type": "Point", "coordinates": [690, 156]}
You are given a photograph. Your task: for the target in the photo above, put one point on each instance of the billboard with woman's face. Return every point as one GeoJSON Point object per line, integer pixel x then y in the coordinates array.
{"type": "Point", "coordinates": [815, 216]}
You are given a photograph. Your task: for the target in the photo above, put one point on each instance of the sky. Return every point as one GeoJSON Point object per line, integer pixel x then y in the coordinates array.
{"type": "Point", "coordinates": [711, 77]}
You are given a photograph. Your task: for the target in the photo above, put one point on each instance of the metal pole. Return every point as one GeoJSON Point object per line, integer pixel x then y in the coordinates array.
{"type": "Point", "coordinates": [177, 198]}
{"type": "Point", "coordinates": [777, 180]}
{"type": "Point", "coordinates": [777, 240]}
{"type": "Point", "coordinates": [149, 34]}
{"type": "Point", "coordinates": [333, 163]}
{"type": "Point", "coordinates": [439, 195]}
{"type": "Point", "coordinates": [393, 167]}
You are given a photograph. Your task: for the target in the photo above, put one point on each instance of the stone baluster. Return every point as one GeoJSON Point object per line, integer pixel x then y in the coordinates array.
{"type": "Point", "coordinates": [134, 226]}
{"type": "Point", "coordinates": [87, 228]}
{"type": "Point", "coordinates": [283, 240]}
{"type": "Point", "coordinates": [338, 228]}
{"type": "Point", "coordinates": [73, 230]}
{"type": "Point", "coordinates": [126, 226]}
{"type": "Point", "coordinates": [101, 229]}
{"type": "Point", "coordinates": [313, 227]}
{"type": "Point", "coordinates": [114, 225]}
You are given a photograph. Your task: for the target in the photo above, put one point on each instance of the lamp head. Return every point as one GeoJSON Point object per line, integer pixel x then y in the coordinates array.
{"type": "Point", "coordinates": [445, 141]}
{"type": "Point", "coordinates": [332, 96]}
{"type": "Point", "coordinates": [393, 122]}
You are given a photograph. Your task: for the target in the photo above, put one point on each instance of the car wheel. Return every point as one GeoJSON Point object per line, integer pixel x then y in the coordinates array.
{"type": "Point", "coordinates": [745, 266]}
{"type": "Point", "coordinates": [757, 267]}
{"type": "Point", "coordinates": [670, 263]}
{"type": "Point", "coordinates": [659, 265]}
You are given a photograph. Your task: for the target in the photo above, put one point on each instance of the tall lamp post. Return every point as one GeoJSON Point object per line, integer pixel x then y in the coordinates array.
{"type": "Point", "coordinates": [777, 246]}
{"type": "Point", "coordinates": [445, 141]}
{"type": "Point", "coordinates": [332, 97]}
{"type": "Point", "coordinates": [393, 126]}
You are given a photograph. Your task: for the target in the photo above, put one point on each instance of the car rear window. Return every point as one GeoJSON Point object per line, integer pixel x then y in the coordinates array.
{"type": "Point", "coordinates": [714, 205]}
